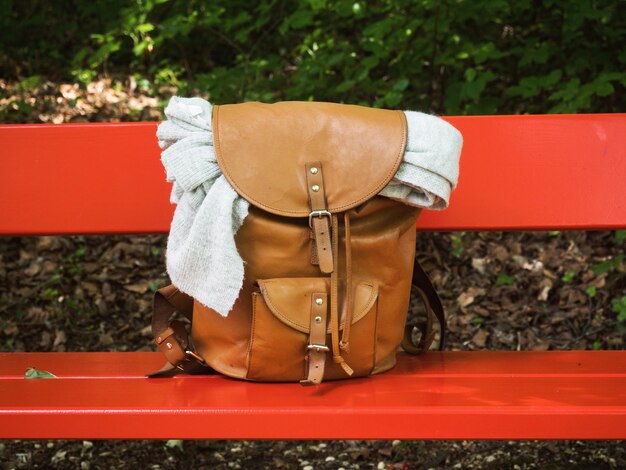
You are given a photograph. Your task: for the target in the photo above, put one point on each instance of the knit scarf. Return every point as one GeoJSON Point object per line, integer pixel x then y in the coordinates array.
{"type": "Point", "coordinates": [202, 258]}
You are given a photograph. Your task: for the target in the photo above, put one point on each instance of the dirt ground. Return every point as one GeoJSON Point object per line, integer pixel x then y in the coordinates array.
{"type": "Point", "coordinates": [501, 290]}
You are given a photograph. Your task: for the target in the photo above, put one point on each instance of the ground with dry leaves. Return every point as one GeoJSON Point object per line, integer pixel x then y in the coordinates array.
{"type": "Point", "coordinates": [513, 290]}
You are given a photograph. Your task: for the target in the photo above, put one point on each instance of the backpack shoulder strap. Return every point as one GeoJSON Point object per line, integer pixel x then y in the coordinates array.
{"type": "Point", "coordinates": [434, 308]}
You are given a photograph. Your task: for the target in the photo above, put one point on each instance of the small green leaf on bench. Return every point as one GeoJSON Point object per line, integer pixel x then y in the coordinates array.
{"type": "Point", "coordinates": [174, 444]}
{"type": "Point", "coordinates": [32, 373]}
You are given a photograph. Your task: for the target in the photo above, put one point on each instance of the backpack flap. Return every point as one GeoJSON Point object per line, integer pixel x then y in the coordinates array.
{"type": "Point", "coordinates": [263, 149]}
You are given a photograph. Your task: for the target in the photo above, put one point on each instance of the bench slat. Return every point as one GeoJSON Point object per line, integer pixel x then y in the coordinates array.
{"type": "Point", "coordinates": [517, 172]}
{"type": "Point", "coordinates": [453, 395]}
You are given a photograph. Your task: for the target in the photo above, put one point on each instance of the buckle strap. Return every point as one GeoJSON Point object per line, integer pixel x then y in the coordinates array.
{"type": "Point", "coordinates": [171, 336]}
{"type": "Point", "coordinates": [317, 349]}
{"type": "Point", "coordinates": [319, 216]}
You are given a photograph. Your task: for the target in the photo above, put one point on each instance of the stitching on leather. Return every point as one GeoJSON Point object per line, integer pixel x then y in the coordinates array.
{"type": "Point", "coordinates": [272, 305]}
{"type": "Point", "coordinates": [276, 311]}
{"type": "Point", "coordinates": [222, 163]}
{"type": "Point", "coordinates": [375, 342]}
{"type": "Point", "coordinates": [368, 305]}
{"type": "Point", "coordinates": [255, 296]}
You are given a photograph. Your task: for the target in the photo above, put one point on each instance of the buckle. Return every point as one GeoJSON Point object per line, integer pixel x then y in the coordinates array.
{"type": "Point", "coordinates": [193, 355]}
{"type": "Point", "coordinates": [318, 347]}
{"type": "Point", "coordinates": [190, 355]}
{"type": "Point", "coordinates": [317, 214]}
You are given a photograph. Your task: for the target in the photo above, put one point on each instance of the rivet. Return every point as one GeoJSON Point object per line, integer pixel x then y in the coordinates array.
{"type": "Point", "coordinates": [318, 319]}
{"type": "Point", "coordinates": [313, 170]}
{"type": "Point", "coordinates": [169, 345]}
{"type": "Point", "coordinates": [315, 188]}
{"type": "Point", "coordinates": [319, 301]}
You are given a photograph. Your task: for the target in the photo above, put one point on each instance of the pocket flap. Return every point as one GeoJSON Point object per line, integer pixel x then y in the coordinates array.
{"type": "Point", "coordinates": [289, 299]}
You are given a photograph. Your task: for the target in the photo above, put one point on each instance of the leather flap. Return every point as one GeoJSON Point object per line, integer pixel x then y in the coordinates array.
{"type": "Point", "coordinates": [289, 299]}
{"type": "Point", "coordinates": [262, 150]}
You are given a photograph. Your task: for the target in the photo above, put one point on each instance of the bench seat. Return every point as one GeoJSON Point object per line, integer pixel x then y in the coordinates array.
{"type": "Point", "coordinates": [442, 395]}
{"type": "Point", "coordinates": [517, 173]}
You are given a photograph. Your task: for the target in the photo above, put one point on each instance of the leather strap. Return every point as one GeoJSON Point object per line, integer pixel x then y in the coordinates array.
{"type": "Point", "coordinates": [334, 302]}
{"type": "Point", "coordinates": [320, 225]}
{"type": "Point", "coordinates": [434, 308]}
{"type": "Point", "coordinates": [171, 336]}
{"type": "Point", "coordinates": [344, 344]}
{"type": "Point", "coordinates": [317, 348]}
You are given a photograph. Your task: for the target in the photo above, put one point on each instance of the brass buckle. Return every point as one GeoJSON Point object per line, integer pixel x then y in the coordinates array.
{"type": "Point", "coordinates": [191, 356]}
{"type": "Point", "coordinates": [318, 214]}
{"type": "Point", "coordinates": [318, 347]}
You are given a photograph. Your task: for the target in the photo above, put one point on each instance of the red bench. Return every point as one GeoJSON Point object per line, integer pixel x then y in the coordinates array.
{"type": "Point", "coordinates": [517, 172]}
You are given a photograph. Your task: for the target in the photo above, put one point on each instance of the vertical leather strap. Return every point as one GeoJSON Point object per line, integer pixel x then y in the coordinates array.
{"type": "Point", "coordinates": [171, 335]}
{"type": "Point", "coordinates": [317, 348]}
{"type": "Point", "coordinates": [320, 225]}
{"type": "Point", "coordinates": [434, 308]}
{"type": "Point", "coordinates": [334, 302]}
{"type": "Point", "coordinates": [344, 344]}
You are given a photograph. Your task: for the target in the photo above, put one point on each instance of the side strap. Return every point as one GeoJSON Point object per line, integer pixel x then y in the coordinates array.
{"type": "Point", "coordinates": [171, 335]}
{"type": "Point", "coordinates": [433, 305]}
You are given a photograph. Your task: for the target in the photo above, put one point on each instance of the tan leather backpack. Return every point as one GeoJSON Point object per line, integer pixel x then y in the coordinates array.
{"type": "Point", "coordinates": [329, 264]}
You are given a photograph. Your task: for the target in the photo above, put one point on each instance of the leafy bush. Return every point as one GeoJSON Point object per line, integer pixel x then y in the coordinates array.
{"type": "Point", "coordinates": [447, 56]}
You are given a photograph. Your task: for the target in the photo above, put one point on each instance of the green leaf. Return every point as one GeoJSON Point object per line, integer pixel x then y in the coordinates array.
{"type": "Point", "coordinates": [620, 235]}
{"type": "Point", "coordinates": [32, 373]}
{"type": "Point", "coordinates": [174, 444]}
{"type": "Point", "coordinates": [145, 28]}
{"type": "Point", "coordinates": [591, 291]}
{"type": "Point", "coordinates": [568, 276]}
{"type": "Point", "coordinates": [619, 307]}
{"type": "Point", "coordinates": [505, 280]}
{"type": "Point", "coordinates": [401, 84]}
{"type": "Point", "coordinates": [597, 345]}
{"type": "Point", "coordinates": [608, 265]}
{"type": "Point", "coordinates": [345, 86]}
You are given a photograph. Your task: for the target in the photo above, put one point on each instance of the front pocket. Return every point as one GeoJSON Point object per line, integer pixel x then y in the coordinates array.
{"type": "Point", "coordinates": [280, 329]}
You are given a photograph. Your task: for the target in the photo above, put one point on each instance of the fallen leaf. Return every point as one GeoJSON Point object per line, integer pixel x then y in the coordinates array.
{"type": "Point", "coordinates": [32, 373]}
{"type": "Point", "coordinates": [480, 338]}
{"type": "Point", "coordinates": [467, 297]}
{"type": "Point", "coordinates": [479, 264]}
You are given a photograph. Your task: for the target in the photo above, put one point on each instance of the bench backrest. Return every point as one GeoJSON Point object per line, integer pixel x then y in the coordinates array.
{"type": "Point", "coordinates": [517, 172]}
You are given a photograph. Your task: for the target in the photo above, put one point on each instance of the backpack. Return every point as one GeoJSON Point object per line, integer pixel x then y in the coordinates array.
{"type": "Point", "coordinates": [329, 263]}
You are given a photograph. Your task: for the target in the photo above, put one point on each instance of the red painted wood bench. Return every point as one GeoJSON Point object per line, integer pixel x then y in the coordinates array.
{"type": "Point", "coordinates": [517, 172]}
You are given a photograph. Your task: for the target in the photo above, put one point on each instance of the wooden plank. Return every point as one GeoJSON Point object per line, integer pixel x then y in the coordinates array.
{"type": "Point", "coordinates": [517, 172]}
{"type": "Point", "coordinates": [451, 395]}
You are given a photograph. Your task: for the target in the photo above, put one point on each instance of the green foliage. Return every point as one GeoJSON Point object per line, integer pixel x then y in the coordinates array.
{"type": "Point", "coordinates": [591, 291]}
{"type": "Point", "coordinates": [568, 276]}
{"type": "Point", "coordinates": [619, 307]}
{"type": "Point", "coordinates": [443, 56]}
{"type": "Point", "coordinates": [457, 245]}
{"type": "Point", "coordinates": [620, 236]}
{"type": "Point", "coordinates": [608, 265]}
{"type": "Point", "coordinates": [505, 280]}
{"type": "Point", "coordinates": [174, 445]}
